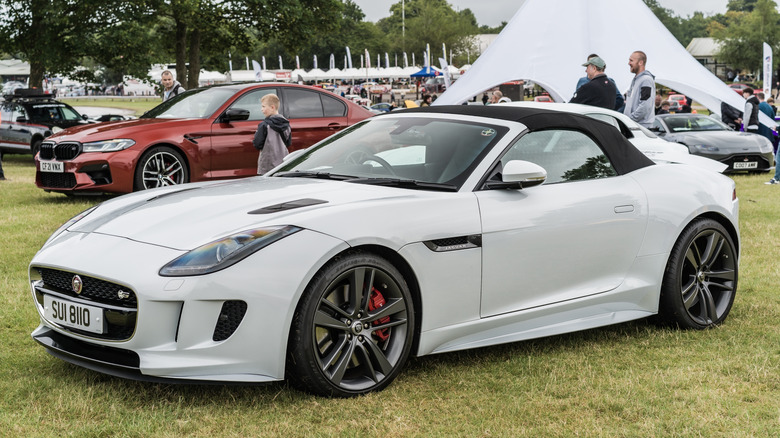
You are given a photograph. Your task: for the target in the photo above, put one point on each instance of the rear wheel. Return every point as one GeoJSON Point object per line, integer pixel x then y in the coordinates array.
{"type": "Point", "coordinates": [700, 280]}
{"type": "Point", "coordinates": [352, 332]}
{"type": "Point", "coordinates": [160, 166]}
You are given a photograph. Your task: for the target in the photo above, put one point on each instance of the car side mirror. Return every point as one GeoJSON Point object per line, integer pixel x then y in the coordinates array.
{"type": "Point", "coordinates": [519, 174]}
{"type": "Point", "coordinates": [235, 114]}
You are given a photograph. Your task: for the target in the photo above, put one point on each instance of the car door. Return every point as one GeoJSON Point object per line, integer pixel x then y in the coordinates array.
{"type": "Point", "coordinates": [313, 115]}
{"type": "Point", "coordinates": [576, 235]}
{"type": "Point", "coordinates": [5, 122]}
{"type": "Point", "coordinates": [18, 133]}
{"type": "Point", "coordinates": [233, 154]}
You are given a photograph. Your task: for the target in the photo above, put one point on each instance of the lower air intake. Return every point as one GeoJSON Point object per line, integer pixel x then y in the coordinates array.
{"type": "Point", "coordinates": [229, 318]}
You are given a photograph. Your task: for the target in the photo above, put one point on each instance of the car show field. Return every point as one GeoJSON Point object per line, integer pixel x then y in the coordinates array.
{"type": "Point", "coordinates": [631, 379]}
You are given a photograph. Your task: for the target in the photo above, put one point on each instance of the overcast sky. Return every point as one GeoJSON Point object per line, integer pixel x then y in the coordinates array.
{"type": "Point", "coordinates": [493, 12]}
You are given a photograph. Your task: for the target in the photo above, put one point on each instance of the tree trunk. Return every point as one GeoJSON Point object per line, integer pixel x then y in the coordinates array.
{"type": "Point", "coordinates": [37, 70]}
{"type": "Point", "coordinates": [194, 68]}
{"type": "Point", "coordinates": [181, 52]}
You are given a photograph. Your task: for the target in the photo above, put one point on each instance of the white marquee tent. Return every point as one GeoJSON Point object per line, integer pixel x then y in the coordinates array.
{"type": "Point", "coordinates": [548, 40]}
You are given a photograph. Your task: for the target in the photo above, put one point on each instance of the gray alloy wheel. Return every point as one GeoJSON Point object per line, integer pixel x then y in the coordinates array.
{"type": "Point", "coordinates": [700, 280]}
{"type": "Point", "coordinates": [160, 166]}
{"type": "Point", "coordinates": [352, 332]}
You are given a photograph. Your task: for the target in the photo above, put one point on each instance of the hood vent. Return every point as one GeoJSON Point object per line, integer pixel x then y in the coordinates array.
{"type": "Point", "coordinates": [288, 206]}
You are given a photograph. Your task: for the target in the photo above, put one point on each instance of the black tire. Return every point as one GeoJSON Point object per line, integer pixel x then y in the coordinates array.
{"type": "Point", "coordinates": [35, 147]}
{"type": "Point", "coordinates": [700, 280]}
{"type": "Point", "coordinates": [344, 341]}
{"type": "Point", "coordinates": [160, 166]}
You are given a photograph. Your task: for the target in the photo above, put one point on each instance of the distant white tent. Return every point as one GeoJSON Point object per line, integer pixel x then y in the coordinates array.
{"type": "Point", "coordinates": [547, 41]}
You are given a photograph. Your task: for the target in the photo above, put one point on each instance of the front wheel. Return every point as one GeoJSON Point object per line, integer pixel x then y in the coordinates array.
{"type": "Point", "coordinates": [160, 166]}
{"type": "Point", "coordinates": [352, 332]}
{"type": "Point", "coordinates": [700, 279]}
{"type": "Point", "coordinates": [35, 147]}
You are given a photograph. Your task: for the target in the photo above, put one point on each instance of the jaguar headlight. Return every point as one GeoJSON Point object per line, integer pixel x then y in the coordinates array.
{"type": "Point", "coordinates": [69, 224]}
{"type": "Point", "coordinates": [117, 144]}
{"type": "Point", "coordinates": [225, 252]}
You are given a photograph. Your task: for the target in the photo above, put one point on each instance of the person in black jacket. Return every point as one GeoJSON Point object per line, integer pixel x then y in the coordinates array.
{"type": "Point", "coordinates": [750, 119]}
{"type": "Point", "coordinates": [599, 91]}
{"type": "Point", "coordinates": [729, 115]}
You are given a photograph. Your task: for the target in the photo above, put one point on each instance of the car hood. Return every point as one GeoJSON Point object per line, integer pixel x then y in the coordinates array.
{"type": "Point", "coordinates": [187, 216]}
{"type": "Point", "coordinates": [120, 129]}
{"type": "Point", "coordinates": [726, 141]}
{"type": "Point", "coordinates": [664, 152]}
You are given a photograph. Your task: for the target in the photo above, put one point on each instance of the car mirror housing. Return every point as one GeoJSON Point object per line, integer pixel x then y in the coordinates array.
{"type": "Point", "coordinates": [525, 172]}
{"type": "Point", "coordinates": [519, 174]}
{"type": "Point", "coordinates": [234, 114]}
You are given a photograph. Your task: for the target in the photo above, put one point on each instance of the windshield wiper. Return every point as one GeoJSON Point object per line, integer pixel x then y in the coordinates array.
{"type": "Point", "coordinates": [405, 183]}
{"type": "Point", "coordinates": [309, 174]}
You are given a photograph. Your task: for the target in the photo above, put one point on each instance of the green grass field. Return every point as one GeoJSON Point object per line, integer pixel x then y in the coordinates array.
{"type": "Point", "coordinates": [629, 380]}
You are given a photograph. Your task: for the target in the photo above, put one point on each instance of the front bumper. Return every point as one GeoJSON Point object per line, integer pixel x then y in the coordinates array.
{"type": "Point", "coordinates": [111, 172]}
{"type": "Point", "coordinates": [177, 333]}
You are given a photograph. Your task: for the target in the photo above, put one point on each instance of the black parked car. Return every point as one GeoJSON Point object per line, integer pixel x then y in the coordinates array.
{"type": "Point", "coordinates": [708, 137]}
{"type": "Point", "coordinates": [28, 116]}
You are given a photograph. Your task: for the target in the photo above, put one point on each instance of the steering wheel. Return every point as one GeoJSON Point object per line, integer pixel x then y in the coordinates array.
{"type": "Point", "coordinates": [362, 157]}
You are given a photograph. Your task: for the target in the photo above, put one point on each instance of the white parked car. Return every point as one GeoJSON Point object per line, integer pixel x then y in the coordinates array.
{"type": "Point", "coordinates": [417, 232]}
{"type": "Point", "coordinates": [656, 148]}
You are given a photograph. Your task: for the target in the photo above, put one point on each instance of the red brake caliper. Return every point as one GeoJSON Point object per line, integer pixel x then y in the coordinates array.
{"type": "Point", "coordinates": [377, 301]}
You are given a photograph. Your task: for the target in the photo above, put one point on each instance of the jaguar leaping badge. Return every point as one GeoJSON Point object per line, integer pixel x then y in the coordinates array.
{"type": "Point", "coordinates": [77, 284]}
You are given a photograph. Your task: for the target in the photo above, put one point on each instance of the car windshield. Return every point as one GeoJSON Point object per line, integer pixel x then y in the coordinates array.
{"type": "Point", "coordinates": [53, 112]}
{"type": "Point", "coordinates": [694, 123]}
{"type": "Point", "coordinates": [432, 153]}
{"type": "Point", "coordinates": [192, 104]}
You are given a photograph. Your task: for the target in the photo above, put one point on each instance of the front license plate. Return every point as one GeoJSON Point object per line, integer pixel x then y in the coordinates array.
{"type": "Point", "coordinates": [52, 166]}
{"type": "Point", "coordinates": [70, 314]}
{"type": "Point", "coordinates": [746, 165]}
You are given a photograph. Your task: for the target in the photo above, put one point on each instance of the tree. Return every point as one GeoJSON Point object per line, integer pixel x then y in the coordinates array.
{"type": "Point", "coordinates": [431, 22]}
{"type": "Point", "coordinates": [741, 5]}
{"type": "Point", "coordinates": [52, 35]}
{"type": "Point", "coordinates": [743, 37]}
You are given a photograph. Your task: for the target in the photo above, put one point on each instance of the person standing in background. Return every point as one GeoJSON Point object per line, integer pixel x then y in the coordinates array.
{"type": "Point", "coordinates": [640, 99]}
{"type": "Point", "coordinates": [273, 135]}
{"type": "Point", "coordinates": [171, 87]}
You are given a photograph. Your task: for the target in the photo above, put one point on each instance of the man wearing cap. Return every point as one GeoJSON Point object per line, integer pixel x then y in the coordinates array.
{"type": "Point", "coordinates": [640, 99]}
{"type": "Point", "coordinates": [599, 90]}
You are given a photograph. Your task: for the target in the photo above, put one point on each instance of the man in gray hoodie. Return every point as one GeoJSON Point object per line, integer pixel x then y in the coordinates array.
{"type": "Point", "coordinates": [640, 99]}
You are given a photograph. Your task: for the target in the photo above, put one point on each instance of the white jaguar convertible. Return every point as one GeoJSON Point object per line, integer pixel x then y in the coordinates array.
{"type": "Point", "coordinates": [417, 232]}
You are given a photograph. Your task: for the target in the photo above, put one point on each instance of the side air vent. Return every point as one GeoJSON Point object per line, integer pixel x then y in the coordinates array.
{"type": "Point", "coordinates": [454, 243]}
{"type": "Point", "coordinates": [288, 206]}
{"type": "Point", "coordinates": [229, 318]}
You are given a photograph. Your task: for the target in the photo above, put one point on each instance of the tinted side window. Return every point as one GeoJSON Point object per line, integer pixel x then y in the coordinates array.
{"type": "Point", "coordinates": [251, 102]}
{"type": "Point", "coordinates": [302, 104]}
{"type": "Point", "coordinates": [565, 155]}
{"type": "Point", "coordinates": [333, 107]}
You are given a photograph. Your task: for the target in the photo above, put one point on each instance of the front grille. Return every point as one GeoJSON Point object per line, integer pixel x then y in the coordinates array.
{"type": "Point", "coordinates": [94, 289]}
{"type": "Point", "coordinates": [229, 318]}
{"type": "Point", "coordinates": [120, 319]}
{"type": "Point", "coordinates": [60, 151]}
{"type": "Point", "coordinates": [57, 180]}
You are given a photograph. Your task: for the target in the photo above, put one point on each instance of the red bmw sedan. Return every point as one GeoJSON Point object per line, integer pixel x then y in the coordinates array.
{"type": "Point", "coordinates": [200, 135]}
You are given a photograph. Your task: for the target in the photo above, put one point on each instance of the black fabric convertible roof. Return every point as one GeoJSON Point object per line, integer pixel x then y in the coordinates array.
{"type": "Point", "coordinates": [623, 155]}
